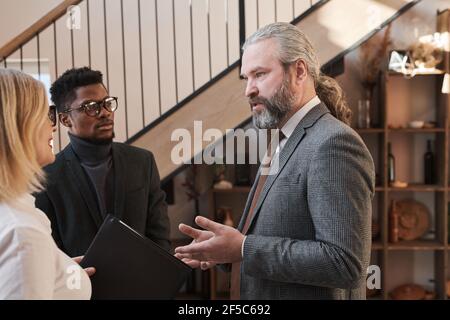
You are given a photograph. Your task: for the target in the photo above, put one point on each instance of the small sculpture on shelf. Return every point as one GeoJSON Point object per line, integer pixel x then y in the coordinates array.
{"type": "Point", "coordinates": [224, 216]}
{"type": "Point", "coordinates": [427, 53]}
{"type": "Point", "coordinates": [221, 182]}
{"type": "Point", "coordinates": [422, 57]}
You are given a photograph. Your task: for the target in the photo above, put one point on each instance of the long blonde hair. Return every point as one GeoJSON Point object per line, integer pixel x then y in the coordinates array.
{"type": "Point", "coordinates": [23, 111]}
{"type": "Point", "coordinates": [294, 45]}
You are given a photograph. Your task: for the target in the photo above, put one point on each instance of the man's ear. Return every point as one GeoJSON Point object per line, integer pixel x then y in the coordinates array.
{"type": "Point", "coordinates": [65, 120]}
{"type": "Point", "coordinates": [301, 71]}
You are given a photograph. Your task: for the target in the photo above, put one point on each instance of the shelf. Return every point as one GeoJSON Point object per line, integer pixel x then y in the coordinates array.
{"type": "Point", "coordinates": [416, 245]}
{"type": "Point", "coordinates": [418, 188]}
{"type": "Point", "coordinates": [412, 130]}
{"type": "Point", "coordinates": [423, 73]}
{"type": "Point", "coordinates": [369, 130]}
{"type": "Point", "coordinates": [189, 296]}
{"type": "Point", "coordinates": [379, 189]}
{"type": "Point", "coordinates": [222, 296]}
{"type": "Point", "coordinates": [245, 189]}
{"type": "Point", "coordinates": [377, 245]}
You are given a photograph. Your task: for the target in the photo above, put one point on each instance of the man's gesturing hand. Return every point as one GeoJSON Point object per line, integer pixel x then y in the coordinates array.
{"type": "Point", "coordinates": [218, 243]}
{"type": "Point", "coordinates": [197, 236]}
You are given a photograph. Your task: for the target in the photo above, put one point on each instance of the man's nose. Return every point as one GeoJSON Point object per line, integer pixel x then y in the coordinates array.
{"type": "Point", "coordinates": [251, 90]}
{"type": "Point", "coordinates": [104, 113]}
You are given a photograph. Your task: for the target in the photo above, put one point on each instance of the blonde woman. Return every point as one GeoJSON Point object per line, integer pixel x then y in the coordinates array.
{"type": "Point", "coordinates": [31, 265]}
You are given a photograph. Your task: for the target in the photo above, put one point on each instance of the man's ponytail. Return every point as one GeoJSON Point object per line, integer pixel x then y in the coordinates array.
{"type": "Point", "coordinates": [331, 94]}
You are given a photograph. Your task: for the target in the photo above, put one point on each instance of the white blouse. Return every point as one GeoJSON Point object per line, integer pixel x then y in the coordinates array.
{"type": "Point", "coordinates": [31, 265]}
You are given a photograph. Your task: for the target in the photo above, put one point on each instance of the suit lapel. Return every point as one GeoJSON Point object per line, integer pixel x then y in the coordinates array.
{"type": "Point", "coordinates": [119, 182]}
{"type": "Point", "coordinates": [77, 174]}
{"type": "Point", "coordinates": [308, 121]}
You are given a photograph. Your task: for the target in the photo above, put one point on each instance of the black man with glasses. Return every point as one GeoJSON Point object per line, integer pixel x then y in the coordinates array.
{"type": "Point", "coordinates": [94, 176]}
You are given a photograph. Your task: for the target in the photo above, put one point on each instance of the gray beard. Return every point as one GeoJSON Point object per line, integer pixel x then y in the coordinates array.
{"type": "Point", "coordinates": [276, 108]}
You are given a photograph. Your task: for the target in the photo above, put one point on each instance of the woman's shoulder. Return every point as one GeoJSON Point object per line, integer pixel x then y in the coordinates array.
{"type": "Point", "coordinates": [22, 219]}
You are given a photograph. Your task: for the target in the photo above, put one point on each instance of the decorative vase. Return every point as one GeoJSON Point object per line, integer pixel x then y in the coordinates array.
{"type": "Point", "coordinates": [364, 114]}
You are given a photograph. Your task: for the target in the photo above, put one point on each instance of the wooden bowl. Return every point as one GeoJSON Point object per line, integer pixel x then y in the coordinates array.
{"type": "Point", "coordinates": [408, 292]}
{"type": "Point", "coordinates": [414, 219]}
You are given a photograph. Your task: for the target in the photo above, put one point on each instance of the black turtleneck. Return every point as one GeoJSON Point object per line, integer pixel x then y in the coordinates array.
{"type": "Point", "coordinates": [96, 160]}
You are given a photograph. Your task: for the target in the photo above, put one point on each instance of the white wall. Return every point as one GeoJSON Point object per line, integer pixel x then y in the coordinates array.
{"type": "Point", "coordinates": [17, 15]}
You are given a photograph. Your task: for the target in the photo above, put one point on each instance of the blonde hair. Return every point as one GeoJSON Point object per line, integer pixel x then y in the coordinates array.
{"type": "Point", "coordinates": [294, 45]}
{"type": "Point", "coordinates": [23, 111]}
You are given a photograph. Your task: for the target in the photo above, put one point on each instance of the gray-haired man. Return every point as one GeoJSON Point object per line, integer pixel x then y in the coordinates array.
{"type": "Point", "coordinates": [305, 231]}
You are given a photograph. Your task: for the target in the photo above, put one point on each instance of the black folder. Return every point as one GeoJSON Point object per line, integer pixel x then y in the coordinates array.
{"type": "Point", "coordinates": [130, 266]}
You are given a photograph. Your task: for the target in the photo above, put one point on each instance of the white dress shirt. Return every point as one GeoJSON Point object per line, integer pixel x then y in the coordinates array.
{"type": "Point", "coordinates": [31, 265]}
{"type": "Point", "coordinates": [293, 121]}
{"type": "Point", "coordinates": [288, 129]}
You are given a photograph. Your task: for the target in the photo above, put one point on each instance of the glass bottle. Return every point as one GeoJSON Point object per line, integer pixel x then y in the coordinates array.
{"type": "Point", "coordinates": [429, 165]}
{"type": "Point", "coordinates": [391, 165]}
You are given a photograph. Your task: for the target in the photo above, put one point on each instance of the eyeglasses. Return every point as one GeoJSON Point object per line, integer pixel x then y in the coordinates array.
{"type": "Point", "coordinates": [52, 115]}
{"type": "Point", "coordinates": [93, 108]}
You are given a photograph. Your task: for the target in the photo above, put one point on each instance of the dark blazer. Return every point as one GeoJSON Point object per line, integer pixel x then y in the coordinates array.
{"type": "Point", "coordinates": [309, 237]}
{"type": "Point", "coordinates": [72, 207]}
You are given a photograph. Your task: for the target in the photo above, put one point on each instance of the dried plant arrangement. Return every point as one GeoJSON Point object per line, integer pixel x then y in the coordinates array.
{"type": "Point", "coordinates": [371, 56]}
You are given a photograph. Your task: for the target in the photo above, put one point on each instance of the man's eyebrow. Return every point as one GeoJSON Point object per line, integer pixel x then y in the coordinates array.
{"type": "Point", "coordinates": [255, 69]}
{"type": "Point", "coordinates": [94, 100]}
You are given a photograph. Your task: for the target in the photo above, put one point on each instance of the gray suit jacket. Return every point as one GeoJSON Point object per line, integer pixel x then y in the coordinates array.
{"type": "Point", "coordinates": [310, 236]}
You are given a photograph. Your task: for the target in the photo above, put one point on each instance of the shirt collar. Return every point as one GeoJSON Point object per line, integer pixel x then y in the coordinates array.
{"type": "Point", "coordinates": [292, 123]}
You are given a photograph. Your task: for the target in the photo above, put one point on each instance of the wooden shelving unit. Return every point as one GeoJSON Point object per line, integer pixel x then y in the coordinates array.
{"type": "Point", "coordinates": [385, 253]}
{"type": "Point", "coordinates": [391, 257]}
